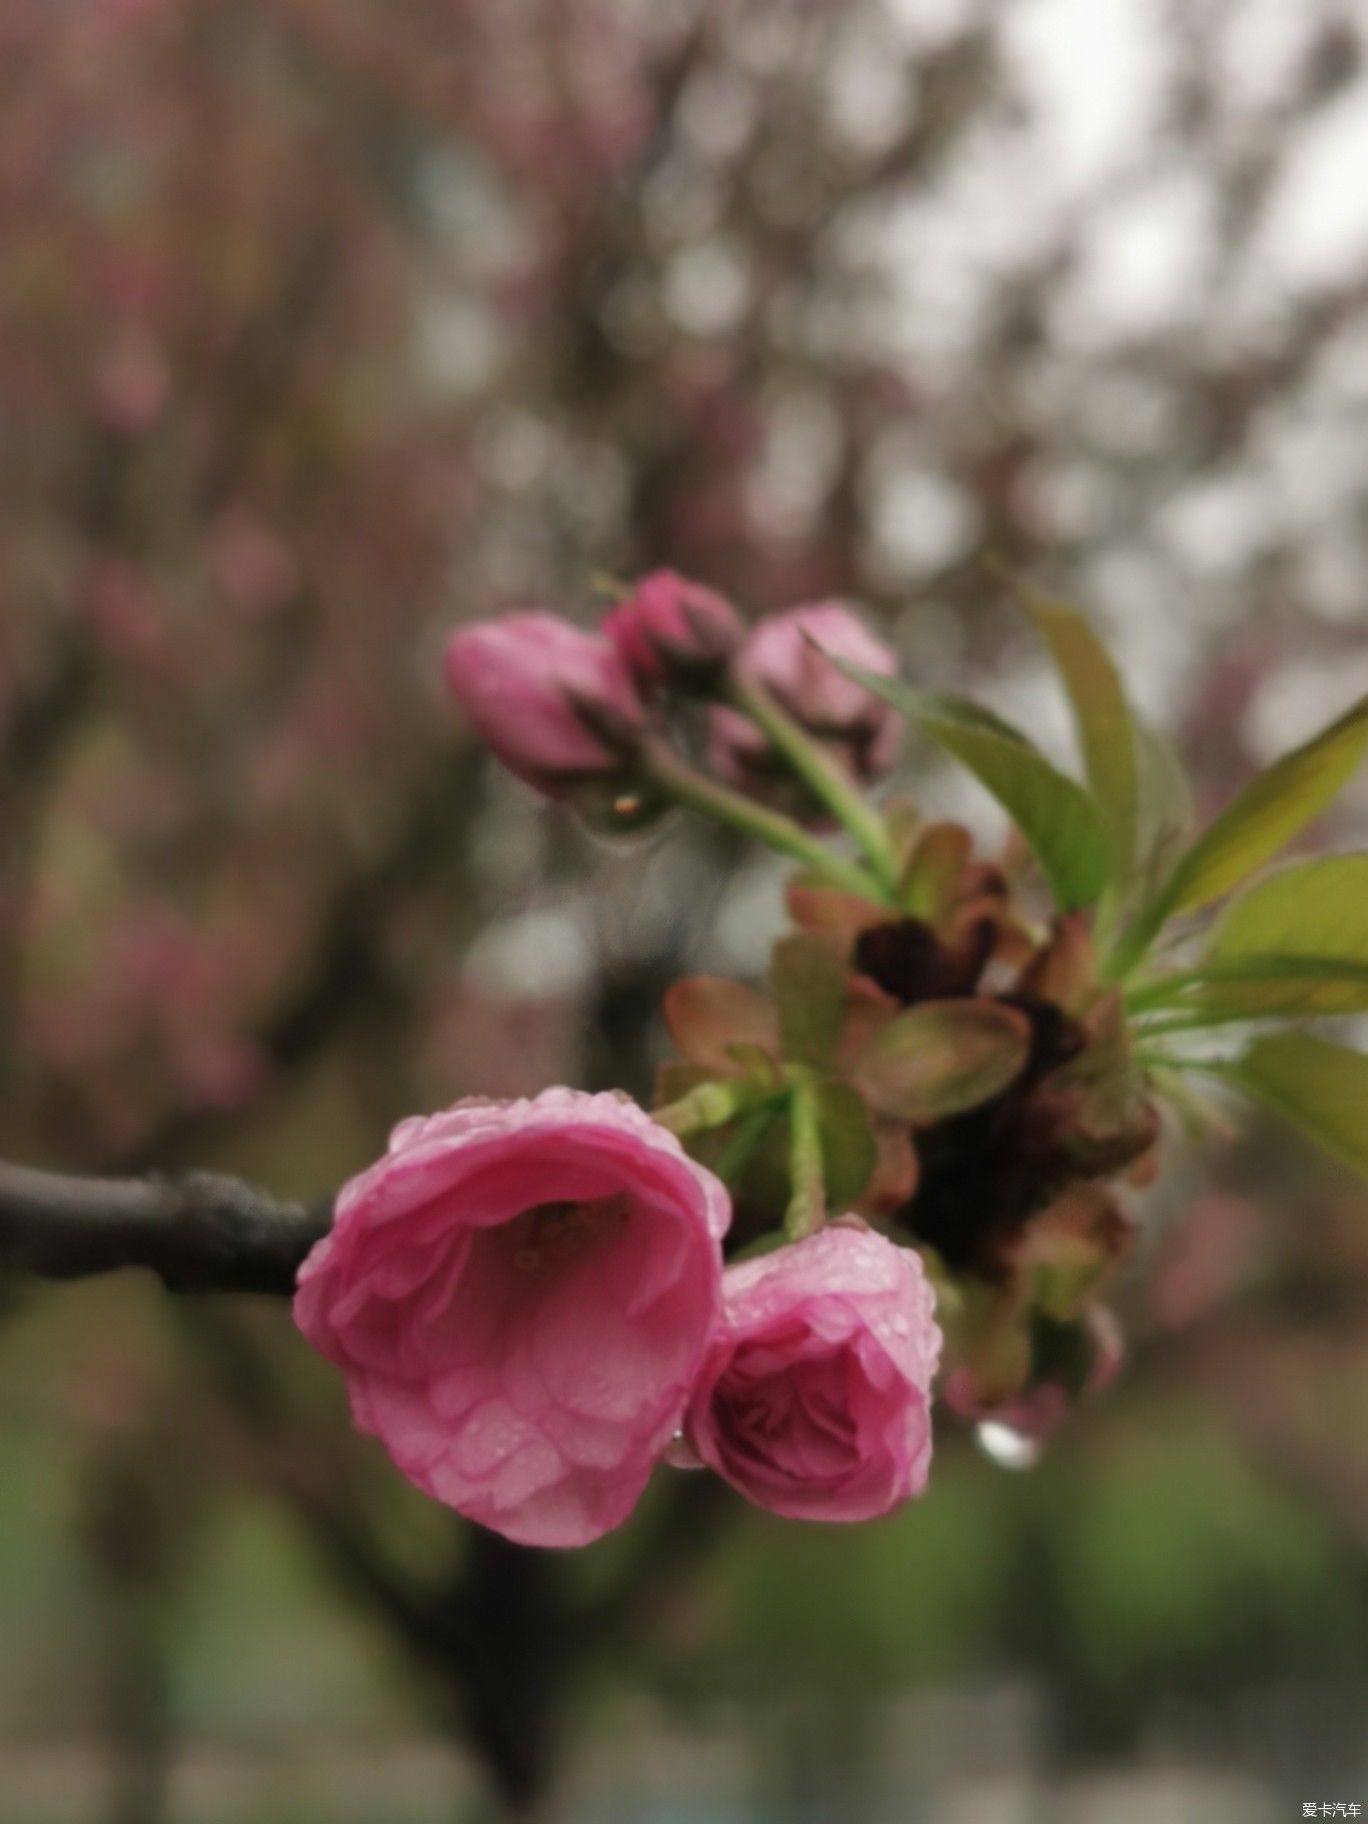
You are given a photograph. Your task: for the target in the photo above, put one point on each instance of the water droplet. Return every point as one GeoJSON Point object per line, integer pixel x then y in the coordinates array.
{"type": "Point", "coordinates": [1007, 1447]}
{"type": "Point", "coordinates": [618, 819]}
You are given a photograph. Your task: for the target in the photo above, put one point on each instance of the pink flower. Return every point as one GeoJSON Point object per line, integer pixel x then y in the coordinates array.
{"type": "Point", "coordinates": [814, 1400]}
{"type": "Point", "coordinates": [520, 1295]}
{"type": "Point", "coordinates": [671, 626]}
{"type": "Point", "coordinates": [787, 656]}
{"type": "Point", "coordinates": [556, 704]}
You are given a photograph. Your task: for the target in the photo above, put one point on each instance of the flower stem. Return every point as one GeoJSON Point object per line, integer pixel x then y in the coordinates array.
{"type": "Point", "coordinates": [824, 777]}
{"type": "Point", "coordinates": [807, 1200]}
{"type": "Point", "coordinates": [686, 786]}
{"type": "Point", "coordinates": [714, 1105]}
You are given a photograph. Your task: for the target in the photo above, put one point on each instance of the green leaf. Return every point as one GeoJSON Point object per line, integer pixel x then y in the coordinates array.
{"type": "Point", "coordinates": [1060, 820]}
{"type": "Point", "coordinates": [1102, 716]}
{"type": "Point", "coordinates": [1313, 908]}
{"type": "Point", "coordinates": [1163, 809]}
{"type": "Point", "coordinates": [1269, 813]}
{"type": "Point", "coordinates": [1295, 942]}
{"type": "Point", "coordinates": [942, 1057]}
{"type": "Point", "coordinates": [809, 993]}
{"type": "Point", "coordinates": [1317, 1085]}
{"type": "Point", "coordinates": [849, 1152]}
{"type": "Point", "coordinates": [1258, 987]}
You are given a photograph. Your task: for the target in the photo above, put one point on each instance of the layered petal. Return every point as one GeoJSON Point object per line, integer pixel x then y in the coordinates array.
{"type": "Point", "coordinates": [521, 1295]}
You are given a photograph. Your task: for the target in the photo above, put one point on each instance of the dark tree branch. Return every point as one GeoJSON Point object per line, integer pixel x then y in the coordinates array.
{"type": "Point", "coordinates": [198, 1233]}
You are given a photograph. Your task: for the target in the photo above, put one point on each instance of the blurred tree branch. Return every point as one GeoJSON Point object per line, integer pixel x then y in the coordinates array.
{"type": "Point", "coordinates": [198, 1233]}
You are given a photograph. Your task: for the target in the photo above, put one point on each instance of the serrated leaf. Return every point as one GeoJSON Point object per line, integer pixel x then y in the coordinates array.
{"type": "Point", "coordinates": [808, 980]}
{"type": "Point", "coordinates": [1060, 821]}
{"type": "Point", "coordinates": [942, 1057]}
{"type": "Point", "coordinates": [849, 1151]}
{"type": "Point", "coordinates": [1319, 1086]}
{"type": "Point", "coordinates": [1269, 813]}
{"type": "Point", "coordinates": [1102, 716]}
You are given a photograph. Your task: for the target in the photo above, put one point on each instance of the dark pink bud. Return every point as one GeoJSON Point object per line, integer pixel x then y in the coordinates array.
{"type": "Point", "coordinates": [670, 627]}
{"type": "Point", "coordinates": [556, 704]}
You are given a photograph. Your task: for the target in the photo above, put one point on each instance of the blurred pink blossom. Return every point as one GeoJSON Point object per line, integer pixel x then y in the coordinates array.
{"type": "Point", "coordinates": [549, 699]}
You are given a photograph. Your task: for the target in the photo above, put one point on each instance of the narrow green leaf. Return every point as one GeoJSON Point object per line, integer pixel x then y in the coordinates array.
{"type": "Point", "coordinates": [1059, 819]}
{"type": "Point", "coordinates": [1257, 987]}
{"type": "Point", "coordinates": [942, 1057]}
{"type": "Point", "coordinates": [1102, 716]}
{"type": "Point", "coordinates": [1317, 1085]}
{"type": "Point", "coordinates": [1269, 813]}
{"type": "Point", "coordinates": [1163, 808]}
{"type": "Point", "coordinates": [1062, 824]}
{"type": "Point", "coordinates": [809, 995]}
{"type": "Point", "coordinates": [1294, 942]}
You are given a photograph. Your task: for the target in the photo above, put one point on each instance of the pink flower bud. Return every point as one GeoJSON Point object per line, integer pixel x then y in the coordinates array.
{"type": "Point", "coordinates": [556, 704]}
{"type": "Point", "coordinates": [814, 1399]}
{"type": "Point", "coordinates": [669, 626]}
{"type": "Point", "coordinates": [787, 656]}
{"type": "Point", "coordinates": [520, 1295]}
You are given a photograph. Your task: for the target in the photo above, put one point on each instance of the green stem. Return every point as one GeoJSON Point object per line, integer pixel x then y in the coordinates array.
{"type": "Point", "coordinates": [681, 782]}
{"type": "Point", "coordinates": [807, 1200]}
{"type": "Point", "coordinates": [824, 777]}
{"type": "Point", "coordinates": [749, 1133]}
{"type": "Point", "coordinates": [713, 1105]}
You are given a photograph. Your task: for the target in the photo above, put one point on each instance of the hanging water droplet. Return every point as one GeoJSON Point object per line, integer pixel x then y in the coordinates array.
{"type": "Point", "coordinates": [1007, 1447]}
{"type": "Point", "coordinates": [623, 814]}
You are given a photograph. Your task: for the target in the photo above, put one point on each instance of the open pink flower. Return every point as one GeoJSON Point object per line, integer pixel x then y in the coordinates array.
{"type": "Point", "coordinates": [786, 655]}
{"type": "Point", "coordinates": [556, 704]}
{"type": "Point", "coordinates": [520, 1295]}
{"type": "Point", "coordinates": [671, 626]}
{"type": "Point", "coordinates": [814, 1400]}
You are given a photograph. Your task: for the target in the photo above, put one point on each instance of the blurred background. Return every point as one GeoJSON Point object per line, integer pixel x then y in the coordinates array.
{"type": "Point", "coordinates": [325, 324]}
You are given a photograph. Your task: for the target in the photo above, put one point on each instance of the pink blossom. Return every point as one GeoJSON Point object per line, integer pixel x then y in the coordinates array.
{"type": "Point", "coordinates": [814, 1400]}
{"type": "Point", "coordinates": [520, 1295]}
{"type": "Point", "coordinates": [786, 655]}
{"type": "Point", "coordinates": [556, 704]}
{"type": "Point", "coordinates": [669, 625]}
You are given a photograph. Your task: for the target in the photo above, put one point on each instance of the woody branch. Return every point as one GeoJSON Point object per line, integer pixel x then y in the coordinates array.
{"type": "Point", "coordinates": [199, 1232]}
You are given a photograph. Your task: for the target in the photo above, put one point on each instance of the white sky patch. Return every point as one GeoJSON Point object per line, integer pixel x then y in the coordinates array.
{"type": "Point", "coordinates": [1144, 266]}
{"type": "Point", "coordinates": [1094, 71]}
{"type": "Point", "coordinates": [1316, 227]}
{"type": "Point", "coordinates": [1295, 701]}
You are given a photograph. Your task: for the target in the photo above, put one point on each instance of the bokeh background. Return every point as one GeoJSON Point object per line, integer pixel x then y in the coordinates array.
{"type": "Point", "coordinates": [325, 324]}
